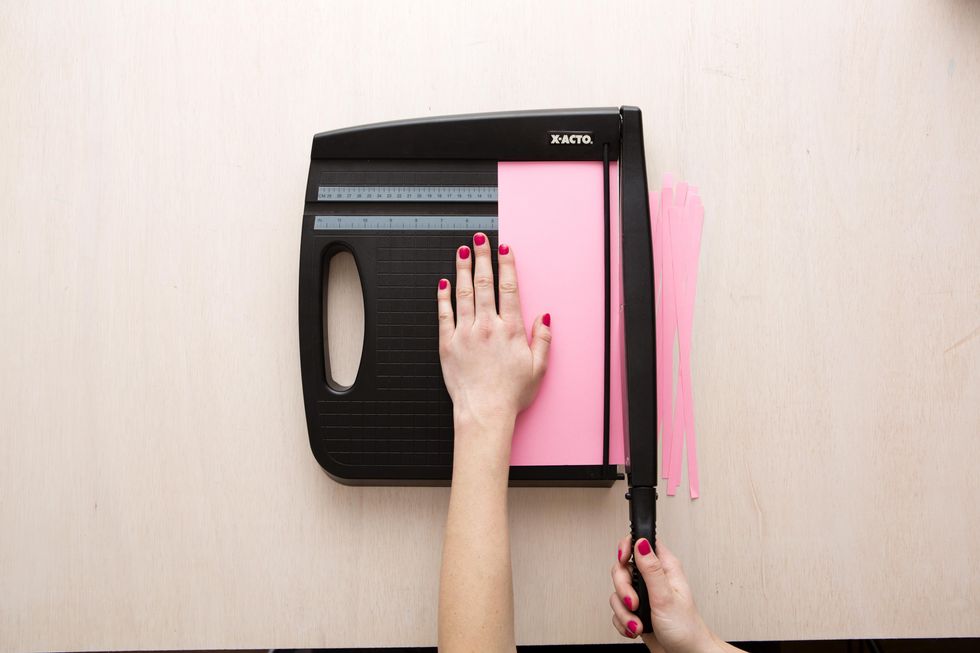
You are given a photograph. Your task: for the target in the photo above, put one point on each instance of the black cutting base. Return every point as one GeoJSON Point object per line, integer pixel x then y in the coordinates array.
{"type": "Point", "coordinates": [394, 425]}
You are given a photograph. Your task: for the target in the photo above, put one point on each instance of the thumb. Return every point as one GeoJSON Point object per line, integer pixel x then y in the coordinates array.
{"type": "Point", "coordinates": [540, 345]}
{"type": "Point", "coordinates": [652, 571]}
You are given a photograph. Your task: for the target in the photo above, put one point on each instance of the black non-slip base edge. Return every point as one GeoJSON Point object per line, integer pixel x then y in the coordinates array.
{"type": "Point", "coordinates": [523, 476]}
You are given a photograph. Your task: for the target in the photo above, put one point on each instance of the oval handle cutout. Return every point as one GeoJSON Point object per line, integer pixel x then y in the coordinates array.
{"type": "Point", "coordinates": [343, 319]}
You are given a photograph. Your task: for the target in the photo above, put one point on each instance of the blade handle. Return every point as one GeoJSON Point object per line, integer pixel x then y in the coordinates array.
{"type": "Point", "coordinates": [643, 524]}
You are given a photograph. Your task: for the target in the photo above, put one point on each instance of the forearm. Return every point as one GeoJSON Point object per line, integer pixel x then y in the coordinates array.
{"type": "Point", "coordinates": [476, 605]}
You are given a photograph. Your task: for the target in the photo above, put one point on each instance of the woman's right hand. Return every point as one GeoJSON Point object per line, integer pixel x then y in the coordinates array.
{"type": "Point", "coordinates": [677, 626]}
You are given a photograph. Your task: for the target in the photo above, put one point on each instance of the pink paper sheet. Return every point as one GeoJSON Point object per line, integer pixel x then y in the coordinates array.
{"type": "Point", "coordinates": [551, 214]}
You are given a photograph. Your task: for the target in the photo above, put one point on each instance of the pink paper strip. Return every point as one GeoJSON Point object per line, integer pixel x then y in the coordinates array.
{"type": "Point", "coordinates": [659, 324]}
{"type": "Point", "coordinates": [685, 223]}
{"type": "Point", "coordinates": [665, 345]}
{"type": "Point", "coordinates": [689, 243]}
{"type": "Point", "coordinates": [673, 271]}
{"type": "Point", "coordinates": [656, 231]}
{"type": "Point", "coordinates": [617, 454]}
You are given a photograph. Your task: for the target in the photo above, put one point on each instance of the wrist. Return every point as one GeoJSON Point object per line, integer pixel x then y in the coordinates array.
{"type": "Point", "coordinates": [484, 437]}
{"type": "Point", "coordinates": [487, 424]}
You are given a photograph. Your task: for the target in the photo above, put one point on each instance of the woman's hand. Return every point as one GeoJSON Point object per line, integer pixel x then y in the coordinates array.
{"type": "Point", "coordinates": [677, 626]}
{"type": "Point", "coordinates": [490, 370]}
{"type": "Point", "coordinates": [492, 374]}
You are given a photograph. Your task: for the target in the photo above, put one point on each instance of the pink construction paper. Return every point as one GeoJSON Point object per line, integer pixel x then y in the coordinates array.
{"type": "Point", "coordinates": [689, 242]}
{"type": "Point", "coordinates": [656, 231]}
{"type": "Point", "coordinates": [617, 453]}
{"type": "Point", "coordinates": [551, 214]}
{"type": "Point", "coordinates": [665, 344]}
{"type": "Point", "coordinates": [685, 219]}
{"type": "Point", "coordinates": [672, 269]}
{"type": "Point", "coordinates": [678, 263]}
{"type": "Point", "coordinates": [693, 220]}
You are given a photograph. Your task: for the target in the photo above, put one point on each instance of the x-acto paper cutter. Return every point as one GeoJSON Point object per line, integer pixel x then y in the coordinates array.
{"type": "Point", "coordinates": [567, 190]}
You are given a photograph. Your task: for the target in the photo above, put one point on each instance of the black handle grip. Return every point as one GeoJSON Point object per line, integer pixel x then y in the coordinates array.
{"type": "Point", "coordinates": [642, 525]}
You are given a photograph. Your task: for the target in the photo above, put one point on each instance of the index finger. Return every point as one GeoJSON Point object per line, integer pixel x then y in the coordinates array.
{"type": "Point", "coordinates": [622, 577]}
{"type": "Point", "coordinates": [464, 286]}
{"type": "Point", "coordinates": [624, 548]}
{"type": "Point", "coordinates": [447, 324]}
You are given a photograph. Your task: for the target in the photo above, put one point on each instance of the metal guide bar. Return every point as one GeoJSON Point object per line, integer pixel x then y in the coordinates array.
{"type": "Point", "coordinates": [406, 194]}
{"type": "Point", "coordinates": [405, 222]}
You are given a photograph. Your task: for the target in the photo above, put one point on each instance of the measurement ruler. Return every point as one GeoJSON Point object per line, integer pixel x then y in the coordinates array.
{"type": "Point", "coordinates": [406, 194]}
{"type": "Point", "coordinates": [405, 222]}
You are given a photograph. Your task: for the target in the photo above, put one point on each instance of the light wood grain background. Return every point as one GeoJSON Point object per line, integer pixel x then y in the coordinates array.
{"type": "Point", "coordinates": [156, 484]}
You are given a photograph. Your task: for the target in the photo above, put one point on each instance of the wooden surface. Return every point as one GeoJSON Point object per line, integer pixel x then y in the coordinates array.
{"type": "Point", "coordinates": [344, 319]}
{"type": "Point", "coordinates": [156, 484]}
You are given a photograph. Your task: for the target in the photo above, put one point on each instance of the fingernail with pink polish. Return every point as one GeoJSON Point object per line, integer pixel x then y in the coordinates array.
{"type": "Point", "coordinates": [442, 284]}
{"type": "Point", "coordinates": [464, 252]}
{"type": "Point", "coordinates": [643, 547]}
{"type": "Point", "coordinates": [479, 239]}
{"type": "Point", "coordinates": [631, 626]}
{"type": "Point", "coordinates": [628, 602]}
{"type": "Point", "coordinates": [619, 554]}
{"type": "Point", "coordinates": [546, 319]}
{"type": "Point", "coordinates": [503, 249]}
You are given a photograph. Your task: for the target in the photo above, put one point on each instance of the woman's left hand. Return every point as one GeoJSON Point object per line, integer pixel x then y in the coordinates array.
{"type": "Point", "coordinates": [490, 370]}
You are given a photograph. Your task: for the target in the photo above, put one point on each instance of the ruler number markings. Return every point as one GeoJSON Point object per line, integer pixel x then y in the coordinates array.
{"type": "Point", "coordinates": [404, 222]}
{"type": "Point", "coordinates": [407, 193]}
